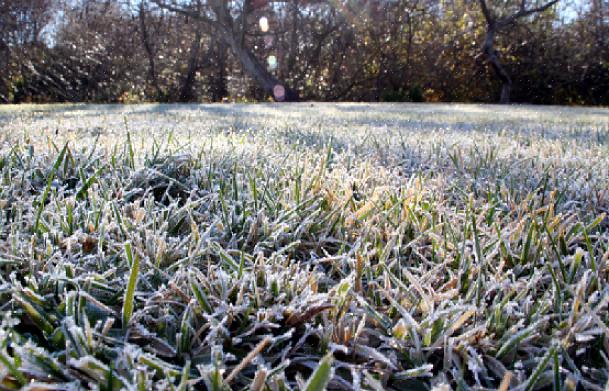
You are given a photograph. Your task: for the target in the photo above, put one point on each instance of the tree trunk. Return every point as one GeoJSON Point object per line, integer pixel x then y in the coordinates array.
{"type": "Point", "coordinates": [186, 89]}
{"type": "Point", "coordinates": [506, 90]}
{"type": "Point", "coordinates": [224, 25]}
{"type": "Point", "coordinates": [150, 54]}
{"type": "Point", "coordinates": [293, 48]}
{"type": "Point", "coordinates": [217, 78]}
{"type": "Point", "coordinates": [4, 73]}
{"type": "Point", "coordinates": [269, 83]}
{"type": "Point", "coordinates": [491, 54]}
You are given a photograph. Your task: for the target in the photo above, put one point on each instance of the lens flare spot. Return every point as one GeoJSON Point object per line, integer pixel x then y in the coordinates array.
{"type": "Point", "coordinates": [264, 24]}
{"type": "Point", "coordinates": [272, 62]}
{"type": "Point", "coordinates": [279, 93]}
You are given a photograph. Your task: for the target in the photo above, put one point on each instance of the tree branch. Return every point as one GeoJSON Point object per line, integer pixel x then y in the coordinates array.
{"type": "Point", "coordinates": [524, 12]}
{"type": "Point", "coordinates": [183, 11]}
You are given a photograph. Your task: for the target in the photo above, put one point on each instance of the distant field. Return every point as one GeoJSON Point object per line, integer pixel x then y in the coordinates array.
{"type": "Point", "coordinates": [278, 247]}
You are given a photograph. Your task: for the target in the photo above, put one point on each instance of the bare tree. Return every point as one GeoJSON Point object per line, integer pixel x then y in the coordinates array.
{"type": "Point", "coordinates": [186, 93]}
{"type": "Point", "coordinates": [495, 23]}
{"type": "Point", "coordinates": [5, 54]}
{"type": "Point", "coordinates": [229, 21]}
{"type": "Point", "coordinates": [148, 48]}
{"type": "Point", "coordinates": [217, 74]}
{"type": "Point", "coordinates": [22, 24]}
{"type": "Point", "coordinates": [599, 13]}
{"type": "Point", "coordinates": [293, 45]}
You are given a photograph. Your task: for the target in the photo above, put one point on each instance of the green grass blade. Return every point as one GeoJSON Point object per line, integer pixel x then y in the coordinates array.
{"type": "Point", "coordinates": [321, 376]}
{"type": "Point", "coordinates": [47, 189]}
{"type": "Point", "coordinates": [128, 303]}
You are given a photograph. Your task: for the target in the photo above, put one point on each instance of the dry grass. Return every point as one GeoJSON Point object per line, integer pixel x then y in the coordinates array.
{"type": "Point", "coordinates": [289, 247]}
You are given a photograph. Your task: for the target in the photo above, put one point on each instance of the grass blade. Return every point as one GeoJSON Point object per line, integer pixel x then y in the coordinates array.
{"type": "Point", "coordinates": [47, 189]}
{"type": "Point", "coordinates": [321, 376]}
{"type": "Point", "coordinates": [128, 303]}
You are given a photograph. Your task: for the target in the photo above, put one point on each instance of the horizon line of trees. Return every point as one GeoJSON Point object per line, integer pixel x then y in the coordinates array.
{"type": "Point", "coordinates": [504, 51]}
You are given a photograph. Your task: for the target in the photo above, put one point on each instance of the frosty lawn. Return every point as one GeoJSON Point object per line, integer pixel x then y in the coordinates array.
{"type": "Point", "coordinates": [292, 246]}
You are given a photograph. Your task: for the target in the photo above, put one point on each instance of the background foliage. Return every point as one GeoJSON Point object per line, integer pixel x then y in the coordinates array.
{"type": "Point", "coordinates": [362, 50]}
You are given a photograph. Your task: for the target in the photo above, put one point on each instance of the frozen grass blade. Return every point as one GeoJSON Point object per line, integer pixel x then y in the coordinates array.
{"type": "Point", "coordinates": [129, 299]}
{"type": "Point", "coordinates": [82, 192]}
{"type": "Point", "coordinates": [248, 359]}
{"type": "Point", "coordinates": [6, 361]}
{"type": "Point", "coordinates": [321, 376]}
{"type": "Point", "coordinates": [47, 189]}
{"type": "Point", "coordinates": [539, 369]}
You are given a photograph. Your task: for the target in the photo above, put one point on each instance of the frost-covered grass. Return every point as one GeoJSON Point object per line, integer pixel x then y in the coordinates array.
{"type": "Point", "coordinates": [288, 246]}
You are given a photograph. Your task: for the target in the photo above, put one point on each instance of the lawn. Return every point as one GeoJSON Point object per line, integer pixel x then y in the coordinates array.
{"type": "Point", "coordinates": [278, 247]}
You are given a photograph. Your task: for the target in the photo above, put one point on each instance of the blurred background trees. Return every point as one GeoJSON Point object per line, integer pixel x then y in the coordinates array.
{"type": "Point", "coordinates": [334, 50]}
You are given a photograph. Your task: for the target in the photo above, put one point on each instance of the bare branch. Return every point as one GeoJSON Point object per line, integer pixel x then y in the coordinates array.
{"type": "Point", "coordinates": [523, 5]}
{"type": "Point", "coordinates": [524, 12]}
{"type": "Point", "coordinates": [183, 11]}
